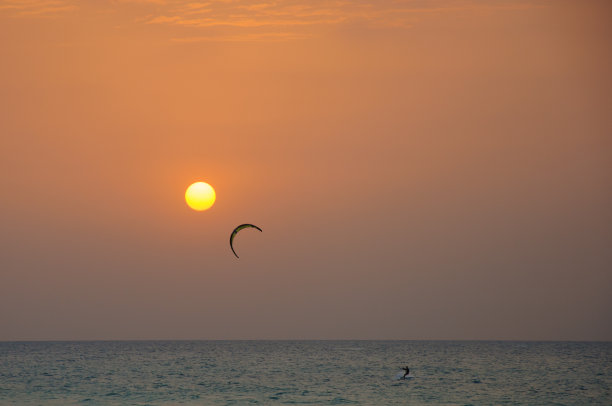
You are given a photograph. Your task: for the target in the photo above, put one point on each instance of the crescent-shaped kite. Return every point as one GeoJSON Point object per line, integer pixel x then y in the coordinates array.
{"type": "Point", "coordinates": [240, 227]}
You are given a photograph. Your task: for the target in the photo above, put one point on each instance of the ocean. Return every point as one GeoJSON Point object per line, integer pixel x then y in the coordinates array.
{"type": "Point", "coordinates": [305, 372]}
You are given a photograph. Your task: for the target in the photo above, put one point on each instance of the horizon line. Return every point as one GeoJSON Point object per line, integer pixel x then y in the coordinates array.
{"type": "Point", "coordinates": [299, 339]}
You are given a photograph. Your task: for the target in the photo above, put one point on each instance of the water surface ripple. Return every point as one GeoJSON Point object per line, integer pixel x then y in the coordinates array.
{"type": "Point", "coordinates": [304, 372]}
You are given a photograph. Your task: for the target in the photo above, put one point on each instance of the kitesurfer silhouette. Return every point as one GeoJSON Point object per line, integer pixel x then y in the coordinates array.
{"type": "Point", "coordinates": [406, 372]}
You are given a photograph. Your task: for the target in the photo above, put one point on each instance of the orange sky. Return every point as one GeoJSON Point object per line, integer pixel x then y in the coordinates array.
{"type": "Point", "coordinates": [420, 169]}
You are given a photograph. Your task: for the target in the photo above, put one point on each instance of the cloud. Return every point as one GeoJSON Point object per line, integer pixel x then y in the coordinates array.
{"type": "Point", "coordinates": [293, 13]}
{"type": "Point", "coordinates": [142, 1]}
{"type": "Point", "coordinates": [36, 8]}
{"type": "Point", "coordinates": [268, 36]}
{"type": "Point", "coordinates": [244, 14]}
{"type": "Point", "coordinates": [265, 19]}
{"type": "Point", "coordinates": [240, 21]}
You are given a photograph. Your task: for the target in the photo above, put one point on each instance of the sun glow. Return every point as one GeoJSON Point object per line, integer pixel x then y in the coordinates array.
{"type": "Point", "coordinates": [200, 196]}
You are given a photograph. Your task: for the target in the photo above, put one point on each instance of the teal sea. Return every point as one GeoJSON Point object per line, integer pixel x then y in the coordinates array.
{"type": "Point", "coordinates": [305, 372]}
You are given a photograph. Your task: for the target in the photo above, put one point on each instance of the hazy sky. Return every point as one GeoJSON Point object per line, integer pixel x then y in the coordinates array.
{"type": "Point", "coordinates": [420, 169]}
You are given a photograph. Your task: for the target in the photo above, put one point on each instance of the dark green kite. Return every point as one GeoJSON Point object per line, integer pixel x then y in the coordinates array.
{"type": "Point", "coordinates": [240, 227]}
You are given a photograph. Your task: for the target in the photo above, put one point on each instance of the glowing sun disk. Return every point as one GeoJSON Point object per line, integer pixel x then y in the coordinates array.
{"type": "Point", "coordinates": [200, 196]}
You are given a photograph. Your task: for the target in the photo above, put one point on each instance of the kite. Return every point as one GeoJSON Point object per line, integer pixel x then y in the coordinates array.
{"type": "Point", "coordinates": [240, 227]}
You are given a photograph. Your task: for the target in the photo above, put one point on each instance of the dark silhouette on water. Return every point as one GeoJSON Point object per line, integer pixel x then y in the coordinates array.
{"type": "Point", "coordinates": [406, 372]}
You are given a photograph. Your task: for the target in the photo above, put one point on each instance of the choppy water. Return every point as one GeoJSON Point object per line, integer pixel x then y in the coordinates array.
{"type": "Point", "coordinates": [304, 372]}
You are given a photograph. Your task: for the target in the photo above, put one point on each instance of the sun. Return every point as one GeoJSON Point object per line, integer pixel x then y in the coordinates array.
{"type": "Point", "coordinates": [200, 196]}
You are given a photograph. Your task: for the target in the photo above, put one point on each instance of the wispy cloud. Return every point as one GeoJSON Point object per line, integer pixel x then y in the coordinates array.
{"type": "Point", "coordinates": [241, 21]}
{"type": "Point", "coordinates": [293, 13]}
{"type": "Point", "coordinates": [269, 36]}
{"type": "Point", "coordinates": [245, 14]}
{"type": "Point", "coordinates": [263, 20]}
{"type": "Point", "coordinates": [141, 1]}
{"type": "Point", "coordinates": [36, 8]}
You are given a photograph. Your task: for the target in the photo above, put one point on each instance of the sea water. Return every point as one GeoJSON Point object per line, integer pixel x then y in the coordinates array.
{"type": "Point", "coordinates": [305, 372]}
